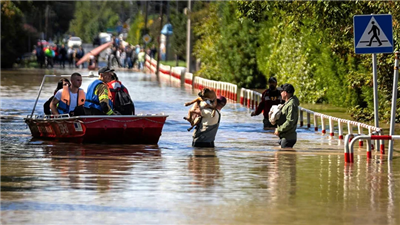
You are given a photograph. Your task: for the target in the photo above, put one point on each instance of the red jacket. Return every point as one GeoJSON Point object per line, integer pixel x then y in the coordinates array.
{"type": "Point", "coordinates": [268, 99]}
{"type": "Point", "coordinates": [114, 86]}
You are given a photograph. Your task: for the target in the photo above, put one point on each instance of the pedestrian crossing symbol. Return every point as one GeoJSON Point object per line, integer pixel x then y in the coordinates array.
{"type": "Point", "coordinates": [373, 34]}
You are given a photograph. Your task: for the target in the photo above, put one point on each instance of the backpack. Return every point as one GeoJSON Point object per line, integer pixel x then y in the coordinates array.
{"type": "Point", "coordinates": [123, 103]}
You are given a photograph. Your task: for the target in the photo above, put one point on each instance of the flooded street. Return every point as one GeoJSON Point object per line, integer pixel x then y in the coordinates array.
{"type": "Point", "coordinates": [245, 179]}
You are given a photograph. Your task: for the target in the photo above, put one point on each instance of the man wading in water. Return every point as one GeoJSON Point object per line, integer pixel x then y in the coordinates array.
{"type": "Point", "coordinates": [287, 122]}
{"type": "Point", "coordinates": [204, 134]}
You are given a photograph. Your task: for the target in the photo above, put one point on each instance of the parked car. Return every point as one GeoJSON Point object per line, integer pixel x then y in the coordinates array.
{"type": "Point", "coordinates": [74, 41]}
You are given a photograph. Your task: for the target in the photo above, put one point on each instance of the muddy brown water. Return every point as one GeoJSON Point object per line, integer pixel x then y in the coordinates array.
{"type": "Point", "coordinates": [245, 179]}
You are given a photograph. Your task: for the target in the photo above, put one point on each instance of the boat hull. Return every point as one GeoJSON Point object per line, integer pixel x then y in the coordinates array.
{"type": "Point", "coordinates": [99, 129]}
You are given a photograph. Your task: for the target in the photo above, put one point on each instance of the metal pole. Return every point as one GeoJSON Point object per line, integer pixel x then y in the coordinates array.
{"type": "Point", "coordinates": [145, 14]}
{"type": "Point", "coordinates": [159, 43]}
{"type": "Point", "coordinates": [375, 86]}
{"type": "Point", "coordinates": [394, 100]}
{"type": "Point", "coordinates": [167, 41]}
{"type": "Point", "coordinates": [188, 41]}
{"type": "Point", "coordinates": [47, 21]}
{"type": "Point", "coordinates": [40, 90]}
{"type": "Point", "coordinates": [145, 22]}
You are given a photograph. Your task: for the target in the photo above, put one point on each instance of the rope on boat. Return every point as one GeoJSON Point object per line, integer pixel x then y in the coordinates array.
{"type": "Point", "coordinates": [154, 121]}
{"type": "Point", "coordinates": [99, 120]}
{"type": "Point", "coordinates": [123, 121]}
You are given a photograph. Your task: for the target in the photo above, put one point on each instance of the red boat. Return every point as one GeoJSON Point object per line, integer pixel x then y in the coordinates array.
{"type": "Point", "coordinates": [132, 129]}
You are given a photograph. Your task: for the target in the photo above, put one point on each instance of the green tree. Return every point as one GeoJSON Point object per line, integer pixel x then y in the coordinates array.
{"type": "Point", "coordinates": [136, 28]}
{"type": "Point", "coordinates": [317, 55]}
{"type": "Point", "coordinates": [13, 35]}
{"type": "Point", "coordinates": [229, 44]}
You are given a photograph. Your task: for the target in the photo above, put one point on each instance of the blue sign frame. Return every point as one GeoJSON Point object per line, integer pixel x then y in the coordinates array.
{"type": "Point", "coordinates": [365, 30]}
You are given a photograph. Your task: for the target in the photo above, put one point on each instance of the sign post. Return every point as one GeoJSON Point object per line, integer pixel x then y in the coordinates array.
{"type": "Point", "coordinates": [373, 34]}
{"type": "Point", "coordinates": [394, 101]}
{"type": "Point", "coordinates": [146, 38]}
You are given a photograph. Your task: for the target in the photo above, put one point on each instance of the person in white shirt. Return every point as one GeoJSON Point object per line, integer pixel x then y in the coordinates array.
{"type": "Point", "coordinates": [205, 132]}
{"type": "Point", "coordinates": [70, 99]}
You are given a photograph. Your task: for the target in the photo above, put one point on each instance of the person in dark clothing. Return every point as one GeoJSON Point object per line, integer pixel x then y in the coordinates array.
{"type": "Point", "coordinates": [40, 55]}
{"type": "Point", "coordinates": [61, 83]}
{"type": "Point", "coordinates": [63, 55]}
{"type": "Point", "coordinates": [153, 51]}
{"type": "Point", "coordinates": [79, 54]}
{"type": "Point", "coordinates": [134, 57]}
{"type": "Point", "coordinates": [269, 97]}
{"type": "Point", "coordinates": [128, 59]}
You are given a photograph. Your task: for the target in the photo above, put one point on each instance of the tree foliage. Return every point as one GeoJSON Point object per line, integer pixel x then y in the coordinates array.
{"type": "Point", "coordinates": [135, 32]}
{"type": "Point", "coordinates": [306, 43]}
{"type": "Point", "coordinates": [12, 33]}
{"type": "Point", "coordinates": [229, 46]}
{"type": "Point", "coordinates": [92, 17]}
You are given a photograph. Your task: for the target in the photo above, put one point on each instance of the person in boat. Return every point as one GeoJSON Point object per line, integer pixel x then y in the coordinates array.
{"type": "Point", "coordinates": [287, 122]}
{"type": "Point", "coordinates": [98, 96]}
{"type": "Point", "coordinates": [269, 97]}
{"type": "Point", "coordinates": [121, 99]}
{"type": "Point", "coordinates": [204, 134]}
{"type": "Point", "coordinates": [70, 99]}
{"type": "Point", "coordinates": [61, 83]}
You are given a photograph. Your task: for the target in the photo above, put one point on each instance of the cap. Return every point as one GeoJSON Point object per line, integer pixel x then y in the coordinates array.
{"type": "Point", "coordinates": [105, 70]}
{"type": "Point", "coordinates": [272, 80]}
{"type": "Point", "coordinates": [286, 87]}
{"type": "Point", "coordinates": [221, 99]}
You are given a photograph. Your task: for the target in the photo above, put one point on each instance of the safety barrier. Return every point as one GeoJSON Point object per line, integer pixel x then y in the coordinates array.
{"type": "Point", "coordinates": [251, 99]}
{"type": "Point", "coordinates": [189, 78]}
{"type": "Point", "coordinates": [228, 90]}
{"type": "Point", "coordinates": [151, 64]}
{"type": "Point", "coordinates": [350, 140]}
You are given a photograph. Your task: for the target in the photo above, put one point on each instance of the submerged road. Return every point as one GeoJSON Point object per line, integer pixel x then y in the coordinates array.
{"type": "Point", "coordinates": [244, 179]}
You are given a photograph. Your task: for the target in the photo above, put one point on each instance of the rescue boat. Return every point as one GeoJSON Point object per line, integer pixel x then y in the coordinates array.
{"type": "Point", "coordinates": [127, 129]}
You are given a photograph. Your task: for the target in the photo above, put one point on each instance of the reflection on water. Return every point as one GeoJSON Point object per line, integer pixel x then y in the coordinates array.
{"type": "Point", "coordinates": [246, 179]}
{"type": "Point", "coordinates": [204, 166]}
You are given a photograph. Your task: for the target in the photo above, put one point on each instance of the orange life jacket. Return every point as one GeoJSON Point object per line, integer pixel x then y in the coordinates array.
{"type": "Point", "coordinates": [65, 101]}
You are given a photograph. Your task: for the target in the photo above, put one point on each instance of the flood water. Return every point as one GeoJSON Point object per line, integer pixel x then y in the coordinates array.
{"type": "Point", "coordinates": [245, 179]}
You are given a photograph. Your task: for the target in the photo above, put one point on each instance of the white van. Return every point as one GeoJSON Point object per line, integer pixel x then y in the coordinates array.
{"type": "Point", "coordinates": [104, 37]}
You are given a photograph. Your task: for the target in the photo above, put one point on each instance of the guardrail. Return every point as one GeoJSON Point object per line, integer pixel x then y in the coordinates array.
{"type": "Point", "coordinates": [350, 139]}
{"type": "Point", "coordinates": [221, 88]}
{"type": "Point", "coordinates": [251, 99]}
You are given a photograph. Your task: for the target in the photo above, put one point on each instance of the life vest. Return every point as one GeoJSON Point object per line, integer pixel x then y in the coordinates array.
{"type": "Point", "coordinates": [114, 86]}
{"type": "Point", "coordinates": [65, 101]}
{"type": "Point", "coordinates": [92, 100]}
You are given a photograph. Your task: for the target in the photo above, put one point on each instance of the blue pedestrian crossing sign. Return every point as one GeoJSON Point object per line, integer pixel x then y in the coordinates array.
{"type": "Point", "coordinates": [373, 34]}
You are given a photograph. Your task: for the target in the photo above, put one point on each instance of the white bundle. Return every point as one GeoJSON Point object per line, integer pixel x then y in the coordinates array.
{"type": "Point", "coordinates": [274, 113]}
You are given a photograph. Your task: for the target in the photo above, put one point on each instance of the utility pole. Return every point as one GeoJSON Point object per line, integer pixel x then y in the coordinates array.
{"type": "Point", "coordinates": [145, 14]}
{"type": "Point", "coordinates": [145, 22]}
{"type": "Point", "coordinates": [47, 22]}
{"type": "Point", "coordinates": [159, 42]}
{"type": "Point", "coordinates": [176, 55]}
{"type": "Point", "coordinates": [167, 43]}
{"type": "Point", "coordinates": [188, 40]}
